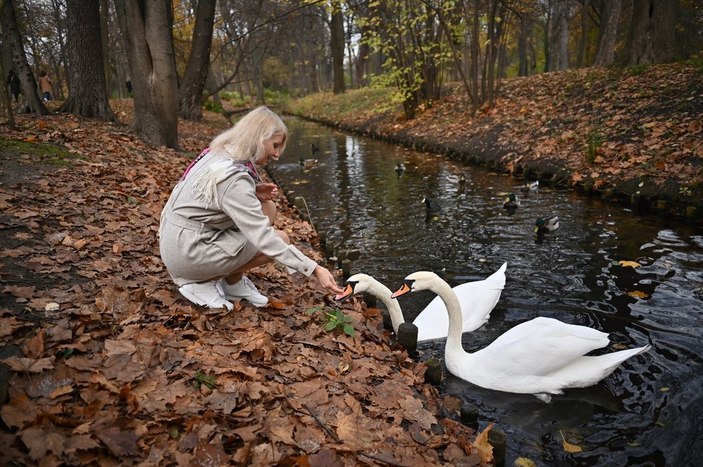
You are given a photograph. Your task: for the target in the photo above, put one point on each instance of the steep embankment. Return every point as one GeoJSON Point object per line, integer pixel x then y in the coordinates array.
{"type": "Point", "coordinates": [633, 136]}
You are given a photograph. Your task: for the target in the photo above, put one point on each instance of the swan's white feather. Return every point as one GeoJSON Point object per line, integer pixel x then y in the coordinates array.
{"type": "Point", "coordinates": [541, 356]}
{"type": "Point", "coordinates": [479, 299]}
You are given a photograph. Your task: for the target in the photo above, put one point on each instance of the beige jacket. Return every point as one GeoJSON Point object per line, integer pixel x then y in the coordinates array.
{"type": "Point", "coordinates": [200, 238]}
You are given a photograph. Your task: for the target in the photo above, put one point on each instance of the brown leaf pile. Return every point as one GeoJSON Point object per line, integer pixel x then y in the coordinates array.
{"type": "Point", "coordinates": [109, 365]}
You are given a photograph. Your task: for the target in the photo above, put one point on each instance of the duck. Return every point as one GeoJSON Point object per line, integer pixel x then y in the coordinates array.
{"type": "Point", "coordinates": [458, 179]}
{"type": "Point", "coordinates": [547, 224]}
{"type": "Point", "coordinates": [529, 187]}
{"type": "Point", "coordinates": [307, 164]}
{"type": "Point", "coordinates": [399, 168]}
{"type": "Point", "coordinates": [314, 149]}
{"type": "Point", "coordinates": [511, 202]}
{"type": "Point", "coordinates": [478, 298]}
{"type": "Point", "coordinates": [542, 356]}
{"type": "Point", "coordinates": [431, 205]}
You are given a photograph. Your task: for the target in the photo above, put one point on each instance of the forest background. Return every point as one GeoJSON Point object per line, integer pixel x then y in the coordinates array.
{"type": "Point", "coordinates": [604, 88]}
{"type": "Point", "coordinates": [404, 61]}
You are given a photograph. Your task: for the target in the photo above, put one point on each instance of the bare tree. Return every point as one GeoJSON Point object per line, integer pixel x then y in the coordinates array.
{"type": "Point", "coordinates": [13, 37]}
{"type": "Point", "coordinates": [148, 25]}
{"type": "Point", "coordinates": [193, 83]}
{"type": "Point", "coordinates": [87, 91]}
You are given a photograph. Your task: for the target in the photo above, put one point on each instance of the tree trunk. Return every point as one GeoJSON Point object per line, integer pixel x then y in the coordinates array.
{"type": "Point", "coordinates": [12, 36]}
{"type": "Point", "coordinates": [652, 32]}
{"type": "Point", "coordinates": [362, 61]}
{"type": "Point", "coordinates": [474, 52]}
{"type": "Point", "coordinates": [195, 76]}
{"type": "Point", "coordinates": [148, 26]}
{"type": "Point", "coordinates": [605, 54]}
{"type": "Point", "coordinates": [87, 92]}
{"type": "Point", "coordinates": [525, 31]}
{"type": "Point", "coordinates": [583, 40]}
{"type": "Point", "coordinates": [337, 49]}
{"type": "Point", "coordinates": [104, 15]}
{"type": "Point", "coordinates": [559, 37]}
{"type": "Point", "coordinates": [5, 98]}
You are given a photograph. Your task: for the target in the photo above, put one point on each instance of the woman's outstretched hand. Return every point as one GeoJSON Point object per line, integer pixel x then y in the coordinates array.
{"type": "Point", "coordinates": [266, 191]}
{"type": "Point", "coordinates": [327, 280]}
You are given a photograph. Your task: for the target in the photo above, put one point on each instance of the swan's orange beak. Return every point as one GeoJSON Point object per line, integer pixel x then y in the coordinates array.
{"type": "Point", "coordinates": [346, 293]}
{"type": "Point", "coordinates": [405, 288]}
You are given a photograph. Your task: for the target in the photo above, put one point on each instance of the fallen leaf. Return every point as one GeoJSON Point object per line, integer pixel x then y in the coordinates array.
{"type": "Point", "coordinates": [569, 447]}
{"type": "Point", "coordinates": [29, 365]}
{"type": "Point", "coordinates": [629, 264]}
{"type": "Point", "coordinates": [484, 448]}
{"type": "Point", "coordinates": [638, 294]}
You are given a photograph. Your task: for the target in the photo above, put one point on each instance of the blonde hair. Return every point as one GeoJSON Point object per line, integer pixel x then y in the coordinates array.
{"type": "Point", "coordinates": [245, 140]}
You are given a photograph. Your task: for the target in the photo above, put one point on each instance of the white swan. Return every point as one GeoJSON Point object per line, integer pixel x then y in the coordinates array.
{"type": "Point", "coordinates": [542, 356]}
{"type": "Point", "coordinates": [478, 298]}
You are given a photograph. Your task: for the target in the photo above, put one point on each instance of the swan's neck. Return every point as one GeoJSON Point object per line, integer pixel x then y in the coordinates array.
{"type": "Point", "coordinates": [383, 293]}
{"type": "Point", "coordinates": [451, 301]}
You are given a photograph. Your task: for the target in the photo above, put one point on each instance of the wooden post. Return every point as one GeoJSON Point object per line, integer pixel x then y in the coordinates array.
{"type": "Point", "coordinates": [496, 437]}
{"type": "Point", "coordinates": [433, 375]}
{"type": "Point", "coordinates": [407, 336]}
{"type": "Point", "coordinates": [346, 268]}
{"type": "Point", "coordinates": [469, 415]}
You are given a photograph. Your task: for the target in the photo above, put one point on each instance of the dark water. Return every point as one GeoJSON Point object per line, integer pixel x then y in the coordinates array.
{"type": "Point", "coordinates": [650, 410]}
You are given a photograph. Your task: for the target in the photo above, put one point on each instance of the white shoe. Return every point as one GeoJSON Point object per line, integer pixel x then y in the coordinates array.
{"type": "Point", "coordinates": [244, 289]}
{"type": "Point", "coordinates": [208, 294]}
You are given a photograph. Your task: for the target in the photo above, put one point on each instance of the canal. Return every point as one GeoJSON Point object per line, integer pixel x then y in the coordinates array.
{"type": "Point", "coordinates": [650, 410]}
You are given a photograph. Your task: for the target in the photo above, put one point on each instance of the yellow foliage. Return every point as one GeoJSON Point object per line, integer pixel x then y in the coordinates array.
{"type": "Point", "coordinates": [631, 264]}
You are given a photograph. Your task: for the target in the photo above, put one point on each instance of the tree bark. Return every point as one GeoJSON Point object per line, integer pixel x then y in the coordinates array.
{"type": "Point", "coordinates": [337, 49]}
{"type": "Point", "coordinates": [524, 34]}
{"type": "Point", "coordinates": [652, 37]}
{"type": "Point", "coordinates": [12, 36]}
{"type": "Point", "coordinates": [559, 37]}
{"type": "Point", "coordinates": [87, 91]}
{"type": "Point", "coordinates": [361, 69]}
{"type": "Point", "coordinates": [195, 75]}
{"type": "Point", "coordinates": [605, 54]}
{"type": "Point", "coordinates": [148, 26]}
{"type": "Point", "coordinates": [583, 40]}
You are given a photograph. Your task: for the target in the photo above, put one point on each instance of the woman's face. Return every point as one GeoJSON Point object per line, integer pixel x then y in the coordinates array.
{"type": "Point", "coordinates": [272, 148]}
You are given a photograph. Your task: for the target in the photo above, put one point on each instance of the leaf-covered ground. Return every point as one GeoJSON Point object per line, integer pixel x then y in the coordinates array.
{"type": "Point", "coordinates": [632, 135]}
{"type": "Point", "coordinates": [104, 363]}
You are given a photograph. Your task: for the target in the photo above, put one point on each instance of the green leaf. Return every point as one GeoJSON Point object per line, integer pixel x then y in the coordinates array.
{"type": "Point", "coordinates": [330, 325]}
{"type": "Point", "coordinates": [349, 330]}
{"type": "Point", "coordinates": [313, 310]}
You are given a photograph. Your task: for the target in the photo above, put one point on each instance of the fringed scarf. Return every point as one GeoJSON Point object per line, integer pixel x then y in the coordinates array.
{"type": "Point", "coordinates": [205, 182]}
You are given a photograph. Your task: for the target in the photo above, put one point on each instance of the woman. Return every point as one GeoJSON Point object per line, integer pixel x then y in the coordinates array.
{"type": "Point", "coordinates": [217, 223]}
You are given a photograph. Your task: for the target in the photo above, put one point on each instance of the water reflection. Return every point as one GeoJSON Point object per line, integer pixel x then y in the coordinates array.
{"type": "Point", "coordinates": [649, 411]}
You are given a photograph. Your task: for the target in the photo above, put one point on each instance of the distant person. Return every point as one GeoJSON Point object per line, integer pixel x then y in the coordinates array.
{"type": "Point", "coordinates": [14, 85]}
{"type": "Point", "coordinates": [217, 223]}
{"type": "Point", "coordinates": [45, 86]}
